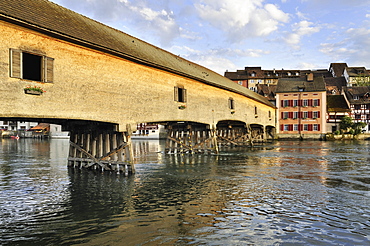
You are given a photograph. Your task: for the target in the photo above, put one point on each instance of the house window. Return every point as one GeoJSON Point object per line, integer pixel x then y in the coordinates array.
{"type": "Point", "coordinates": [315, 114]}
{"type": "Point", "coordinates": [305, 115]}
{"type": "Point", "coordinates": [286, 127]}
{"type": "Point", "coordinates": [315, 127]}
{"type": "Point", "coordinates": [295, 103]}
{"type": "Point", "coordinates": [231, 103]}
{"type": "Point", "coordinates": [315, 102]}
{"type": "Point", "coordinates": [295, 127]}
{"type": "Point", "coordinates": [305, 127]}
{"type": "Point", "coordinates": [286, 103]}
{"type": "Point", "coordinates": [286, 115]}
{"type": "Point", "coordinates": [24, 65]}
{"type": "Point", "coordinates": [180, 94]}
{"type": "Point", "coordinates": [305, 103]}
{"type": "Point", "coordinates": [295, 115]}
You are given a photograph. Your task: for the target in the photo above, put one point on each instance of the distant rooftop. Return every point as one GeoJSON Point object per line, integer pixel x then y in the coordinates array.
{"type": "Point", "coordinates": [300, 84]}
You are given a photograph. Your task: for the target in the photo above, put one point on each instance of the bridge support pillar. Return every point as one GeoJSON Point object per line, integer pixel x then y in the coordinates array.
{"type": "Point", "coordinates": [104, 151]}
{"type": "Point", "coordinates": [191, 139]}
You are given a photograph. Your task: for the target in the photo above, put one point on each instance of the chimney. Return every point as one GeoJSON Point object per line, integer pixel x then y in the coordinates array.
{"type": "Point", "coordinates": [309, 77]}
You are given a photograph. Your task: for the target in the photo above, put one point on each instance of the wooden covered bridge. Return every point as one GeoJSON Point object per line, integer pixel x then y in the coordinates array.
{"type": "Point", "coordinates": [99, 83]}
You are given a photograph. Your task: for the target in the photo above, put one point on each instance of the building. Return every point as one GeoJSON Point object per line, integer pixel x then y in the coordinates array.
{"type": "Point", "coordinates": [356, 76]}
{"type": "Point", "coordinates": [337, 69]}
{"type": "Point", "coordinates": [334, 85]}
{"type": "Point", "coordinates": [16, 125]}
{"type": "Point", "coordinates": [337, 108]}
{"type": "Point", "coordinates": [268, 91]}
{"type": "Point", "coordinates": [301, 107]}
{"type": "Point", "coordinates": [251, 77]}
{"type": "Point", "coordinates": [359, 100]}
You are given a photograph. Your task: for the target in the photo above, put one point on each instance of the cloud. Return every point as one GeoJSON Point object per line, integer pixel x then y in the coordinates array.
{"type": "Point", "coordinates": [217, 59]}
{"type": "Point", "coordinates": [241, 19]}
{"type": "Point", "coordinates": [159, 21]}
{"type": "Point", "coordinates": [300, 29]}
{"type": "Point", "coordinates": [353, 48]}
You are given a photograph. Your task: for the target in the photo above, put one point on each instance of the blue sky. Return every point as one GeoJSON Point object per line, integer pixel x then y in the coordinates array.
{"type": "Point", "coordinates": [232, 34]}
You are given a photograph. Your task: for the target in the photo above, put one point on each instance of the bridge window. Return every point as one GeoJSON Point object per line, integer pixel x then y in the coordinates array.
{"type": "Point", "coordinates": [24, 65]}
{"type": "Point", "coordinates": [180, 94]}
{"type": "Point", "coordinates": [231, 103]}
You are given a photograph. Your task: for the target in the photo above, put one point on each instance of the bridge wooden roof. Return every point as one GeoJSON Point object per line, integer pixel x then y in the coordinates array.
{"type": "Point", "coordinates": [51, 19]}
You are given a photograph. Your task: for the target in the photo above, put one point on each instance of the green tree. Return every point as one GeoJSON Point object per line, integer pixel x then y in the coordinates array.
{"type": "Point", "coordinates": [346, 123]}
{"type": "Point", "coordinates": [358, 127]}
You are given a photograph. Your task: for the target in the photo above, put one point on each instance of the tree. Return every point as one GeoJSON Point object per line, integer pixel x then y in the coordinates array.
{"type": "Point", "coordinates": [358, 127]}
{"type": "Point", "coordinates": [346, 125]}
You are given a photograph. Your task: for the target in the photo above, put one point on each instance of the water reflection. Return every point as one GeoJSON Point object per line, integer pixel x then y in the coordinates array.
{"type": "Point", "coordinates": [287, 193]}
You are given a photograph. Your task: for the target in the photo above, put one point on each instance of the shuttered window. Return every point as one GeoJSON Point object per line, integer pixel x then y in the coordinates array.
{"type": "Point", "coordinates": [48, 67]}
{"type": "Point", "coordinates": [24, 65]}
{"type": "Point", "coordinates": [231, 103]}
{"type": "Point", "coordinates": [15, 63]}
{"type": "Point", "coordinates": [180, 94]}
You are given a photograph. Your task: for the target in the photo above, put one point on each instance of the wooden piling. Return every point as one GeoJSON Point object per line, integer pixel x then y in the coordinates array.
{"type": "Point", "coordinates": [108, 151]}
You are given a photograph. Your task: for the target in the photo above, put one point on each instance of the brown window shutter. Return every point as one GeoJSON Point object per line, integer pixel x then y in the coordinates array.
{"type": "Point", "coordinates": [185, 96]}
{"type": "Point", "coordinates": [176, 93]}
{"type": "Point", "coordinates": [48, 69]}
{"type": "Point", "coordinates": [15, 63]}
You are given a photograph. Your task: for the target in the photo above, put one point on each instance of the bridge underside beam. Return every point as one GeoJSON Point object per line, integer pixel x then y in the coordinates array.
{"type": "Point", "coordinates": [102, 151]}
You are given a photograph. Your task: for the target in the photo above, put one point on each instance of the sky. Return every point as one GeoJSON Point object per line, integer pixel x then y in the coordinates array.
{"type": "Point", "coordinates": [229, 35]}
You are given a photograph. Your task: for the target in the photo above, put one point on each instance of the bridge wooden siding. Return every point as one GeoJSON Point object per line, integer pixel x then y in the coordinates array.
{"type": "Point", "coordinates": [93, 82]}
{"type": "Point", "coordinates": [91, 85]}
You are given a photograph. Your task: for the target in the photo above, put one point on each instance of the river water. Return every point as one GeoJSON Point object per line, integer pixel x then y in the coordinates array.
{"type": "Point", "coordinates": [286, 193]}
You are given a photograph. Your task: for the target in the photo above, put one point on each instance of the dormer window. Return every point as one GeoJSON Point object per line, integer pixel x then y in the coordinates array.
{"type": "Point", "coordinates": [356, 97]}
{"type": "Point", "coordinates": [253, 74]}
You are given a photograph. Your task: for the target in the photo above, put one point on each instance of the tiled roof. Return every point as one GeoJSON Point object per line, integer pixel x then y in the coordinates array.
{"type": "Point", "coordinates": [52, 19]}
{"type": "Point", "coordinates": [294, 84]}
{"type": "Point", "coordinates": [258, 73]}
{"type": "Point", "coordinates": [338, 69]}
{"type": "Point", "coordinates": [356, 71]}
{"type": "Point", "coordinates": [267, 91]}
{"type": "Point", "coordinates": [358, 94]}
{"type": "Point", "coordinates": [335, 83]}
{"type": "Point", "coordinates": [337, 103]}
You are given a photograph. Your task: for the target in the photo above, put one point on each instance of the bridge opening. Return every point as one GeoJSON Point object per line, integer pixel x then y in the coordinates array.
{"type": "Point", "coordinates": [191, 138]}
{"type": "Point", "coordinates": [234, 133]}
{"type": "Point", "coordinates": [95, 145]}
